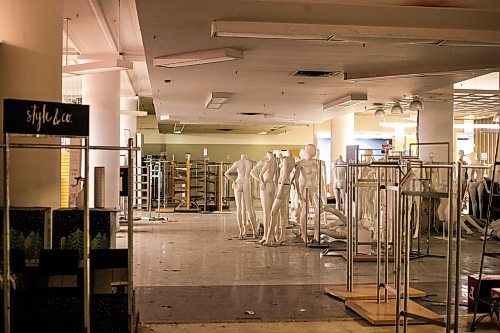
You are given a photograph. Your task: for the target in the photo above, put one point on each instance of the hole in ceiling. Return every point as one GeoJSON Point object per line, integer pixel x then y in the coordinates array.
{"type": "Point", "coordinates": [225, 129]}
{"type": "Point", "coordinates": [250, 113]}
{"type": "Point", "coordinates": [315, 73]}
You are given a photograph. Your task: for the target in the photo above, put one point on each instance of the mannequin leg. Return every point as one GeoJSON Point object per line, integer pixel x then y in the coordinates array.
{"type": "Point", "coordinates": [342, 197]}
{"type": "Point", "coordinates": [480, 197]}
{"type": "Point", "coordinates": [473, 197]}
{"type": "Point", "coordinates": [313, 200]}
{"type": "Point", "coordinates": [303, 220]}
{"type": "Point", "coordinates": [274, 221]}
{"type": "Point", "coordinates": [240, 212]}
{"type": "Point", "coordinates": [247, 201]}
{"type": "Point", "coordinates": [267, 198]}
{"type": "Point", "coordinates": [336, 193]}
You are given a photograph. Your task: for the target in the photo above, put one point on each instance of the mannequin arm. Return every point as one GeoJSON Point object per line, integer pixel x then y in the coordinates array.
{"type": "Point", "coordinates": [228, 172]}
{"type": "Point", "coordinates": [255, 172]}
{"type": "Point", "coordinates": [295, 179]}
{"type": "Point", "coordinates": [264, 169]}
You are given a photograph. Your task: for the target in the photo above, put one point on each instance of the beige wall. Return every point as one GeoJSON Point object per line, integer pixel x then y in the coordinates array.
{"type": "Point", "coordinates": [224, 153]}
{"type": "Point", "coordinates": [31, 68]}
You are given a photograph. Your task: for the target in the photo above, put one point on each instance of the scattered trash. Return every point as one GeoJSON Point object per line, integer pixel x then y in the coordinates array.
{"type": "Point", "coordinates": [249, 312]}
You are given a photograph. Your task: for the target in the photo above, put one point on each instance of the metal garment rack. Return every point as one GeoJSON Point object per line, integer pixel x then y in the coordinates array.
{"type": "Point", "coordinates": [489, 217]}
{"type": "Point", "coordinates": [405, 238]}
{"type": "Point", "coordinates": [7, 146]}
{"type": "Point", "coordinates": [384, 182]}
{"type": "Point", "coordinates": [425, 191]}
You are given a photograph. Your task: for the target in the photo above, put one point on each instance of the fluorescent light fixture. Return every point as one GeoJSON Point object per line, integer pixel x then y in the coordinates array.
{"type": "Point", "coordinates": [346, 102]}
{"type": "Point", "coordinates": [133, 113]}
{"type": "Point", "coordinates": [397, 124]}
{"type": "Point", "coordinates": [97, 67]}
{"type": "Point", "coordinates": [267, 30]}
{"type": "Point", "coordinates": [216, 99]}
{"type": "Point", "coordinates": [198, 57]}
{"type": "Point", "coordinates": [262, 133]}
{"type": "Point", "coordinates": [178, 128]}
{"type": "Point", "coordinates": [165, 117]}
{"type": "Point", "coordinates": [476, 126]}
{"type": "Point", "coordinates": [323, 135]}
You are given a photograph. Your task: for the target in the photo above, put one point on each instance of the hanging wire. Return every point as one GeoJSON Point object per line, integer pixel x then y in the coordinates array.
{"type": "Point", "coordinates": [66, 20]}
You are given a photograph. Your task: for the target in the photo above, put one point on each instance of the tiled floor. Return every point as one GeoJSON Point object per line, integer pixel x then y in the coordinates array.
{"type": "Point", "coordinates": [191, 273]}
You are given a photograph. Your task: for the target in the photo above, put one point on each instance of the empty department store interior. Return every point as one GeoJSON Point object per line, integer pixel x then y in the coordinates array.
{"type": "Point", "coordinates": [250, 165]}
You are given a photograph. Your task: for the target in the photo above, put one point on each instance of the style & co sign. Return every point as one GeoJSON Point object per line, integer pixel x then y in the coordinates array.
{"type": "Point", "coordinates": [46, 118]}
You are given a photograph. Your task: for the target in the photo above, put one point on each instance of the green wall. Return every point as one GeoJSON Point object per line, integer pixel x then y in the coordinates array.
{"type": "Point", "coordinates": [224, 153]}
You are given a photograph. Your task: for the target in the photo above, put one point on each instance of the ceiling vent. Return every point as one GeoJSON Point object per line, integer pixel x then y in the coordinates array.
{"type": "Point", "coordinates": [250, 113]}
{"type": "Point", "coordinates": [225, 129]}
{"type": "Point", "coordinates": [315, 74]}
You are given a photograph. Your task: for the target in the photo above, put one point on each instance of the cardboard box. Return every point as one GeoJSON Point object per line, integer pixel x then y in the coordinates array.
{"type": "Point", "coordinates": [488, 282]}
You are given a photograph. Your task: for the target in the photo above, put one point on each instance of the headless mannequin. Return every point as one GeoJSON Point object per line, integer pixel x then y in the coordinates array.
{"type": "Point", "coordinates": [265, 174]}
{"type": "Point", "coordinates": [339, 173]}
{"type": "Point", "coordinates": [294, 197]}
{"type": "Point", "coordinates": [367, 194]}
{"type": "Point", "coordinates": [475, 179]}
{"type": "Point", "coordinates": [306, 183]}
{"type": "Point", "coordinates": [279, 210]}
{"type": "Point", "coordinates": [242, 187]}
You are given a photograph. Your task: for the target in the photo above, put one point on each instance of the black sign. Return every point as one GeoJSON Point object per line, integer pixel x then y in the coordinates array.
{"type": "Point", "coordinates": [47, 118]}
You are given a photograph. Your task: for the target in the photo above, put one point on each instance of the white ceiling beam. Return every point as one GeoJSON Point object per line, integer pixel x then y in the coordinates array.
{"type": "Point", "coordinates": [476, 68]}
{"type": "Point", "coordinates": [339, 31]}
{"type": "Point", "coordinates": [103, 24]}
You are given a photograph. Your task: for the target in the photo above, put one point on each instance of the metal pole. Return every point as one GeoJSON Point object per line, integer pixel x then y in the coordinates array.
{"type": "Point", "coordinates": [450, 253]}
{"type": "Point", "coordinates": [307, 215]}
{"type": "Point", "coordinates": [6, 235]}
{"type": "Point", "coordinates": [378, 234]}
{"type": "Point", "coordinates": [348, 208]}
{"type": "Point", "coordinates": [86, 241]}
{"type": "Point", "coordinates": [407, 262]}
{"type": "Point", "coordinates": [397, 259]}
{"type": "Point", "coordinates": [130, 234]}
{"type": "Point", "coordinates": [386, 239]}
{"type": "Point", "coordinates": [458, 270]}
{"type": "Point", "coordinates": [320, 196]}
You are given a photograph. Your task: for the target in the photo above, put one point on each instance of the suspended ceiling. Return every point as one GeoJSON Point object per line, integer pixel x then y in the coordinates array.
{"type": "Point", "coordinates": [378, 45]}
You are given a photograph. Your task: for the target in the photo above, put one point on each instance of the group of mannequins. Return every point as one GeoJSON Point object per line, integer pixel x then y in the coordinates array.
{"type": "Point", "coordinates": [278, 179]}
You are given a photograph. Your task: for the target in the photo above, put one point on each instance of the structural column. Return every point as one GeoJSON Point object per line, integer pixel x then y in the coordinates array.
{"type": "Point", "coordinates": [435, 124]}
{"type": "Point", "coordinates": [128, 121]}
{"type": "Point", "coordinates": [342, 128]}
{"type": "Point", "coordinates": [31, 68]}
{"type": "Point", "coordinates": [101, 91]}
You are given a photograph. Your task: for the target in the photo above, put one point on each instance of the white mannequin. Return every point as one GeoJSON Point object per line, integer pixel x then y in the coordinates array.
{"type": "Point", "coordinates": [242, 187]}
{"type": "Point", "coordinates": [339, 181]}
{"type": "Point", "coordinates": [265, 173]}
{"type": "Point", "coordinates": [475, 179]}
{"type": "Point", "coordinates": [367, 194]}
{"type": "Point", "coordinates": [323, 177]}
{"type": "Point", "coordinates": [294, 197]}
{"type": "Point", "coordinates": [306, 180]}
{"type": "Point", "coordinates": [279, 210]}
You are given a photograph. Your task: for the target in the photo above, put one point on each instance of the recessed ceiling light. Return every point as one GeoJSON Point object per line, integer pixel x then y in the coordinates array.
{"type": "Point", "coordinates": [167, 81]}
{"type": "Point", "coordinates": [262, 133]}
{"type": "Point", "coordinates": [346, 101]}
{"type": "Point", "coordinates": [198, 57]}
{"type": "Point", "coordinates": [216, 100]}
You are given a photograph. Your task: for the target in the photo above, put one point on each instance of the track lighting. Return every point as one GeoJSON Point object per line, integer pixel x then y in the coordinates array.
{"type": "Point", "coordinates": [416, 104]}
{"type": "Point", "coordinates": [396, 109]}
